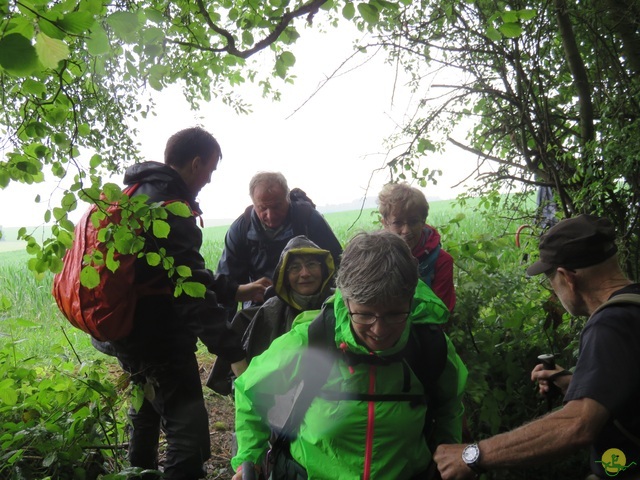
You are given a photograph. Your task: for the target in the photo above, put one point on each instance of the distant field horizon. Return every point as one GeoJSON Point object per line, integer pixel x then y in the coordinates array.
{"type": "Point", "coordinates": [9, 241]}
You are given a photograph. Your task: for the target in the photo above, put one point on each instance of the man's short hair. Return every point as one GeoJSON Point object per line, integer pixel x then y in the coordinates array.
{"type": "Point", "coordinates": [185, 145]}
{"type": "Point", "coordinates": [403, 197]}
{"type": "Point", "coordinates": [270, 179]}
{"type": "Point", "coordinates": [574, 243]}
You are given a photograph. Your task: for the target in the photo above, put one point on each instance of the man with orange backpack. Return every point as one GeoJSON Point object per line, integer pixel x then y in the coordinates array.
{"type": "Point", "coordinates": [159, 352]}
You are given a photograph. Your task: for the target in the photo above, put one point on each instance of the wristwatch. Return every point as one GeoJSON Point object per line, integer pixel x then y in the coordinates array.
{"type": "Point", "coordinates": [471, 457]}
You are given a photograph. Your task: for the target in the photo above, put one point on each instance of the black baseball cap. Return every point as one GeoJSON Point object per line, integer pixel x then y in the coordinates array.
{"type": "Point", "coordinates": [577, 242]}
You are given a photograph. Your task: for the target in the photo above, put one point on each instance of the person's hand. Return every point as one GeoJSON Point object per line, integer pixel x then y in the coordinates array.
{"type": "Point", "coordinates": [238, 474]}
{"type": "Point", "coordinates": [239, 367]}
{"type": "Point", "coordinates": [559, 376]}
{"type": "Point", "coordinates": [450, 464]}
{"type": "Point", "coordinates": [254, 291]}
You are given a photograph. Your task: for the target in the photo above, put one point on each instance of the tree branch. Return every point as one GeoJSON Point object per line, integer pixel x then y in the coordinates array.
{"type": "Point", "coordinates": [308, 9]}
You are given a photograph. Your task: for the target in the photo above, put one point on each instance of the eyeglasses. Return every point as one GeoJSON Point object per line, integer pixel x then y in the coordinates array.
{"type": "Point", "coordinates": [394, 318]}
{"type": "Point", "coordinates": [411, 223]}
{"type": "Point", "coordinates": [546, 277]}
{"type": "Point", "coordinates": [311, 266]}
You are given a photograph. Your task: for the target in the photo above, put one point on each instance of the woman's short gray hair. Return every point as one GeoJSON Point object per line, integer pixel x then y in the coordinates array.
{"type": "Point", "coordinates": [377, 268]}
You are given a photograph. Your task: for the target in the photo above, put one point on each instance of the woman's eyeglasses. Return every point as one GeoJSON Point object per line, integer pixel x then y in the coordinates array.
{"type": "Point", "coordinates": [369, 318]}
{"type": "Point", "coordinates": [311, 266]}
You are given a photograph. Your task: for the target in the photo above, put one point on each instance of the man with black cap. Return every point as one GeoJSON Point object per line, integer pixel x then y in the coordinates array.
{"type": "Point", "coordinates": [602, 398]}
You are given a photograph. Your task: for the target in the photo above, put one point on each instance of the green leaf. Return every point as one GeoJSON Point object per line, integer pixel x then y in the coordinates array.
{"type": "Point", "coordinates": [183, 271]}
{"type": "Point", "coordinates": [194, 289]}
{"type": "Point", "coordinates": [527, 14]}
{"type": "Point", "coordinates": [288, 59]}
{"type": "Point", "coordinates": [69, 201]}
{"type": "Point", "coordinates": [349, 11]}
{"type": "Point", "coordinates": [8, 392]}
{"type": "Point", "coordinates": [98, 42]}
{"type": "Point", "coordinates": [76, 22]}
{"type": "Point", "coordinates": [17, 55]}
{"type": "Point", "coordinates": [283, 62]}
{"type": "Point", "coordinates": [493, 34]}
{"type": "Point", "coordinates": [509, 16]}
{"type": "Point", "coordinates": [154, 15]}
{"type": "Point", "coordinates": [153, 35]}
{"type": "Point", "coordinates": [112, 192]}
{"type": "Point", "coordinates": [156, 76]}
{"type": "Point", "coordinates": [55, 264]}
{"type": "Point", "coordinates": [50, 27]}
{"type": "Point", "coordinates": [95, 161]}
{"type": "Point", "coordinates": [59, 213]}
{"type": "Point", "coordinates": [369, 13]}
{"type": "Point", "coordinates": [51, 50]}
{"type": "Point", "coordinates": [65, 238]}
{"type": "Point", "coordinates": [424, 145]}
{"type": "Point", "coordinates": [123, 23]}
{"type": "Point", "coordinates": [112, 263]}
{"type": "Point", "coordinates": [34, 88]}
{"type": "Point", "coordinates": [160, 228]}
{"type": "Point", "coordinates": [179, 209]}
{"type": "Point", "coordinates": [137, 397]}
{"type": "Point", "coordinates": [247, 37]}
{"type": "Point", "coordinates": [153, 259]}
{"type": "Point", "coordinates": [510, 30]}
{"type": "Point", "coordinates": [89, 277]}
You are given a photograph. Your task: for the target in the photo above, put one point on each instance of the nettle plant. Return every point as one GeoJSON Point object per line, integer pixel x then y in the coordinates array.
{"type": "Point", "coordinates": [501, 323]}
{"type": "Point", "coordinates": [58, 421]}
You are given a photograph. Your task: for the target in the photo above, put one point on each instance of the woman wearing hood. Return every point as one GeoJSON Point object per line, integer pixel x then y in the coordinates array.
{"type": "Point", "coordinates": [302, 281]}
{"type": "Point", "coordinates": [365, 421]}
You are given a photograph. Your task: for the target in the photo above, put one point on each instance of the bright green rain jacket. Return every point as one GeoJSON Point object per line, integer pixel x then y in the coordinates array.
{"type": "Point", "coordinates": [351, 439]}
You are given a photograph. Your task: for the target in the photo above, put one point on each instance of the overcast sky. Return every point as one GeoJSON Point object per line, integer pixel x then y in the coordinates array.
{"type": "Point", "coordinates": [329, 148]}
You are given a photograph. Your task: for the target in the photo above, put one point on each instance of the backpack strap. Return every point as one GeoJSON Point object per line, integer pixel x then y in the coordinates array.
{"type": "Point", "coordinates": [428, 268]}
{"type": "Point", "coordinates": [623, 298]}
{"type": "Point", "coordinates": [300, 221]}
{"type": "Point", "coordinates": [314, 373]}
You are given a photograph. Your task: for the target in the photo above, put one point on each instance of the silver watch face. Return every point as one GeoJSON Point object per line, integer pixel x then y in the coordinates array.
{"type": "Point", "coordinates": [471, 454]}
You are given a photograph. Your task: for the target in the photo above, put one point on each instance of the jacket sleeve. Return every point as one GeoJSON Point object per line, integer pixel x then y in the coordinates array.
{"type": "Point", "coordinates": [270, 374]}
{"type": "Point", "coordinates": [234, 261]}
{"type": "Point", "coordinates": [442, 284]}
{"type": "Point", "coordinates": [320, 233]}
{"type": "Point", "coordinates": [449, 410]}
{"type": "Point", "coordinates": [205, 318]}
{"type": "Point", "coordinates": [254, 339]}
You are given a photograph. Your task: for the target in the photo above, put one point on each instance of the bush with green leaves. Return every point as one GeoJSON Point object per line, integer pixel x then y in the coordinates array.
{"type": "Point", "coordinates": [502, 322]}
{"type": "Point", "coordinates": [61, 420]}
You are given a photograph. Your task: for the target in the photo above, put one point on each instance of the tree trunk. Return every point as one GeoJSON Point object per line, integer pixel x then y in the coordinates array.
{"type": "Point", "coordinates": [578, 71]}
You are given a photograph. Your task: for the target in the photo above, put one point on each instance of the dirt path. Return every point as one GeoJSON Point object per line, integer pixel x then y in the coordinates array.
{"type": "Point", "coordinates": [221, 426]}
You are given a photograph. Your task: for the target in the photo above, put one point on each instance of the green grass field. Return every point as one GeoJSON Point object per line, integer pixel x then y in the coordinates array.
{"type": "Point", "coordinates": [30, 318]}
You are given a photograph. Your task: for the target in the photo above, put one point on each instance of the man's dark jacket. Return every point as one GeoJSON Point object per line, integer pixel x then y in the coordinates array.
{"type": "Point", "coordinates": [249, 254]}
{"type": "Point", "coordinates": [166, 326]}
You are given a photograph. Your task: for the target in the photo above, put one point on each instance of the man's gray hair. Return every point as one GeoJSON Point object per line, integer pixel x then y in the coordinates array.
{"type": "Point", "coordinates": [270, 179]}
{"type": "Point", "coordinates": [377, 268]}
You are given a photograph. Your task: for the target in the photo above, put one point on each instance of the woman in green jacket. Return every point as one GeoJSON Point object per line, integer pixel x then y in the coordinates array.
{"type": "Point", "coordinates": [365, 421]}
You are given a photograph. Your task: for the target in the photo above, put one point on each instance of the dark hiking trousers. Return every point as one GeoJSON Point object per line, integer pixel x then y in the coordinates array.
{"type": "Point", "coordinates": [175, 405]}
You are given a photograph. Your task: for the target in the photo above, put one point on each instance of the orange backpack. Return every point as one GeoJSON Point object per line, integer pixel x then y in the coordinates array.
{"type": "Point", "coordinates": [106, 312]}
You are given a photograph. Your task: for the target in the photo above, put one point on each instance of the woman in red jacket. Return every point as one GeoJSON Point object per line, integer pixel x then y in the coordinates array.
{"type": "Point", "coordinates": [404, 210]}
